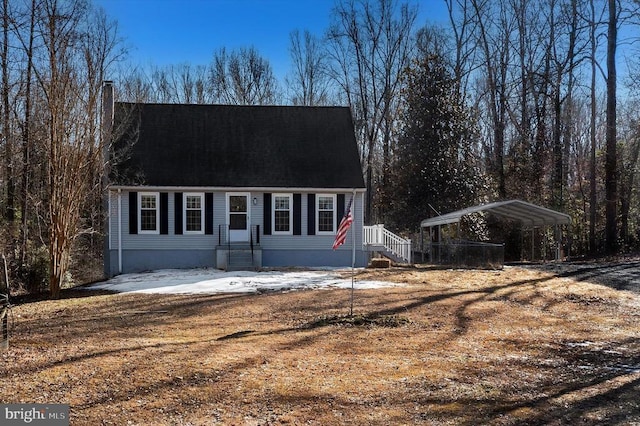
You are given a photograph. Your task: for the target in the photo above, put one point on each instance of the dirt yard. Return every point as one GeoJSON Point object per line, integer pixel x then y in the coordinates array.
{"type": "Point", "coordinates": [540, 345]}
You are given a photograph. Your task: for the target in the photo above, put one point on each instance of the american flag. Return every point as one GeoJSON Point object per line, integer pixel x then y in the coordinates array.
{"type": "Point", "coordinates": [345, 223]}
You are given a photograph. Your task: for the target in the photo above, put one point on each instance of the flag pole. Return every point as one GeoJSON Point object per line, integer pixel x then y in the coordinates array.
{"type": "Point", "coordinates": [341, 238]}
{"type": "Point", "coordinates": [353, 258]}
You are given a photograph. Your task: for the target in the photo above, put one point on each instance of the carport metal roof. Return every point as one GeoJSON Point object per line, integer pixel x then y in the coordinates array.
{"type": "Point", "coordinates": [529, 215]}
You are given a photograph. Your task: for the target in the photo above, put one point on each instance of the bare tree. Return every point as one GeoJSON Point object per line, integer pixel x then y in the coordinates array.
{"type": "Point", "coordinates": [369, 46]}
{"type": "Point", "coordinates": [528, 111]}
{"type": "Point", "coordinates": [564, 31]}
{"type": "Point", "coordinates": [69, 80]}
{"type": "Point", "coordinates": [193, 84]}
{"type": "Point", "coordinates": [242, 77]}
{"type": "Point", "coordinates": [27, 44]}
{"type": "Point", "coordinates": [163, 90]}
{"type": "Point", "coordinates": [593, 24]}
{"type": "Point", "coordinates": [182, 83]}
{"type": "Point", "coordinates": [629, 145]}
{"type": "Point", "coordinates": [496, 49]}
{"type": "Point", "coordinates": [611, 184]}
{"type": "Point", "coordinates": [99, 47]}
{"type": "Point", "coordinates": [57, 26]}
{"type": "Point", "coordinates": [135, 86]}
{"type": "Point", "coordinates": [7, 133]}
{"type": "Point", "coordinates": [463, 28]}
{"type": "Point", "coordinates": [308, 80]}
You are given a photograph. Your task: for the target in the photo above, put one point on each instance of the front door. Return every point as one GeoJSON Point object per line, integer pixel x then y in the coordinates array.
{"type": "Point", "coordinates": [238, 217]}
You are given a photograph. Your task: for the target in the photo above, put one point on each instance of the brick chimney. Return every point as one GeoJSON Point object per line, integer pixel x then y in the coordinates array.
{"type": "Point", "coordinates": [107, 113]}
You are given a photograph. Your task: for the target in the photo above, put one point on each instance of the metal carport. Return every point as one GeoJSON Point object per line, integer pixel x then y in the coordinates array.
{"type": "Point", "coordinates": [530, 216]}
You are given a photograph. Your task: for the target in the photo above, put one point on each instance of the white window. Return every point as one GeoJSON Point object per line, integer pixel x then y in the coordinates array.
{"type": "Point", "coordinates": [193, 216]}
{"type": "Point", "coordinates": [325, 214]}
{"type": "Point", "coordinates": [148, 217]}
{"type": "Point", "coordinates": [282, 214]}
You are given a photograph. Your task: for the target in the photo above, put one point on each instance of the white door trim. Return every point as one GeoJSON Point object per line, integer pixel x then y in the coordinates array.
{"type": "Point", "coordinates": [239, 235]}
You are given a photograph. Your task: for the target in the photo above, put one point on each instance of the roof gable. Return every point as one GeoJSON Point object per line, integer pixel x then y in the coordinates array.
{"type": "Point", "coordinates": [235, 146]}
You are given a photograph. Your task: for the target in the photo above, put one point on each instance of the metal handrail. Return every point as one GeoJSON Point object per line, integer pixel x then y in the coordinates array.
{"type": "Point", "coordinates": [224, 240]}
{"type": "Point", "coordinates": [251, 243]}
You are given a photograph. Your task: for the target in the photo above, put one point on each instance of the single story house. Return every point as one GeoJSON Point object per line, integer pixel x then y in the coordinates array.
{"type": "Point", "coordinates": [229, 186]}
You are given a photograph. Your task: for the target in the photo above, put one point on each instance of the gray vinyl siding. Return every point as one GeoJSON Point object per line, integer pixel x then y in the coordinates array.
{"type": "Point", "coordinates": [149, 260]}
{"type": "Point", "coordinates": [157, 241]}
{"type": "Point", "coordinates": [315, 242]}
{"type": "Point", "coordinates": [112, 225]}
{"type": "Point", "coordinates": [188, 241]}
{"type": "Point", "coordinates": [220, 210]}
{"type": "Point", "coordinates": [219, 213]}
{"type": "Point", "coordinates": [313, 258]}
{"type": "Point", "coordinates": [280, 248]}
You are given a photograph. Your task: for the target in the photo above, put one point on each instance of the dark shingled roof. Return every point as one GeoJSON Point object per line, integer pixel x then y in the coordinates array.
{"type": "Point", "coordinates": [235, 146]}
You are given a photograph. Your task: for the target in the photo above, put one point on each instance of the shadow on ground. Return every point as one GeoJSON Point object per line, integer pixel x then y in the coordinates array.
{"type": "Point", "coordinates": [619, 275]}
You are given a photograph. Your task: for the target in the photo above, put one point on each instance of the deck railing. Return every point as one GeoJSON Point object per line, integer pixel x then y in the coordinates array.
{"type": "Point", "coordinates": [376, 236]}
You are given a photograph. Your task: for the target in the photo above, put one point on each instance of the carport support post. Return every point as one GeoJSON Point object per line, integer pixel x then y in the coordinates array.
{"type": "Point", "coordinates": [431, 244]}
{"type": "Point", "coordinates": [422, 243]}
{"type": "Point", "coordinates": [439, 244]}
{"type": "Point", "coordinates": [533, 244]}
{"type": "Point", "coordinates": [558, 236]}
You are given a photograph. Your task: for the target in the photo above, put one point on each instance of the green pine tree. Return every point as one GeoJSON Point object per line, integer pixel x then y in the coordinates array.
{"type": "Point", "coordinates": [434, 162]}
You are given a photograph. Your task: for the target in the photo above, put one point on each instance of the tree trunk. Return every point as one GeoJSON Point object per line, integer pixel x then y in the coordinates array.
{"type": "Point", "coordinates": [611, 188]}
{"type": "Point", "coordinates": [557, 147]}
{"type": "Point", "coordinates": [627, 180]}
{"type": "Point", "coordinates": [26, 141]}
{"type": "Point", "coordinates": [496, 74]}
{"type": "Point", "coordinates": [6, 119]}
{"type": "Point", "coordinates": [592, 162]}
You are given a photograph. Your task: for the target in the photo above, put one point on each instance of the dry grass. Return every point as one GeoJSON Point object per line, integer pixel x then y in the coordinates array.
{"type": "Point", "coordinates": [504, 347]}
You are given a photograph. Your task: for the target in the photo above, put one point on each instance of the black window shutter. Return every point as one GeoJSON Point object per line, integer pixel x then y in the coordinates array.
{"type": "Point", "coordinates": [133, 212]}
{"type": "Point", "coordinates": [267, 214]}
{"type": "Point", "coordinates": [339, 209]}
{"type": "Point", "coordinates": [178, 215]}
{"type": "Point", "coordinates": [208, 213]}
{"type": "Point", "coordinates": [311, 214]}
{"type": "Point", "coordinates": [164, 213]}
{"type": "Point", "coordinates": [297, 214]}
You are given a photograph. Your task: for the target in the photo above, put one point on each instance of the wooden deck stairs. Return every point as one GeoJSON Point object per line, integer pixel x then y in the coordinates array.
{"type": "Point", "coordinates": [378, 239]}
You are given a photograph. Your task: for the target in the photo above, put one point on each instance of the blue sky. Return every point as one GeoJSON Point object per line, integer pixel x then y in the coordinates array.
{"type": "Point", "coordinates": [161, 32]}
